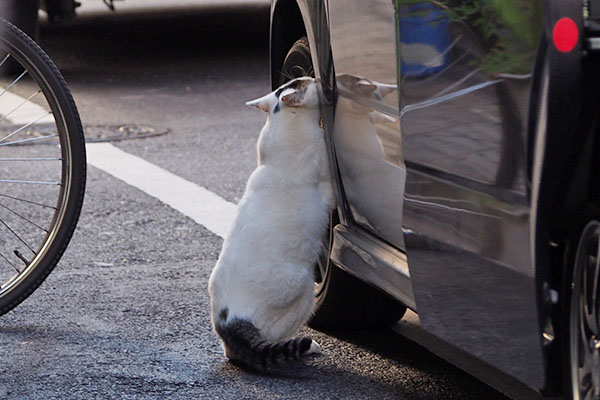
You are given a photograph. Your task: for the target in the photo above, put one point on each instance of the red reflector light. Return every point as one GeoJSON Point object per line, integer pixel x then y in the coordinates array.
{"type": "Point", "coordinates": [565, 35]}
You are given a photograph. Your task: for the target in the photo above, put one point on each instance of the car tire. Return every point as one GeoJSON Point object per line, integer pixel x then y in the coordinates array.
{"type": "Point", "coordinates": [341, 300]}
{"type": "Point", "coordinates": [344, 302]}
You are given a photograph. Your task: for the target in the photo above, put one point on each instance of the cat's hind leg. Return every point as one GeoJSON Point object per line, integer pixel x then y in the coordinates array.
{"type": "Point", "coordinates": [288, 307]}
{"type": "Point", "coordinates": [290, 285]}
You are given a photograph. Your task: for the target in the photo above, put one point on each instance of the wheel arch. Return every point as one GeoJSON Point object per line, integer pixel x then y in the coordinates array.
{"type": "Point", "coordinates": [287, 26]}
{"type": "Point", "coordinates": [293, 19]}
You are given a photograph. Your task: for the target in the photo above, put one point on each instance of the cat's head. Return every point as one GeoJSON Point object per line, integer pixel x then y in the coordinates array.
{"type": "Point", "coordinates": [299, 92]}
{"type": "Point", "coordinates": [362, 87]}
{"type": "Point", "coordinates": [359, 95]}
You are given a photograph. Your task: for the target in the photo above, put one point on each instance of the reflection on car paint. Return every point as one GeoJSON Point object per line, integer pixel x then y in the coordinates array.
{"type": "Point", "coordinates": [367, 163]}
{"type": "Point", "coordinates": [467, 202]}
{"type": "Point", "coordinates": [439, 98]}
{"type": "Point", "coordinates": [371, 163]}
{"type": "Point", "coordinates": [424, 39]}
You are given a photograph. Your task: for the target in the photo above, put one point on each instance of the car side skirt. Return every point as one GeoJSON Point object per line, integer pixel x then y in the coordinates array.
{"type": "Point", "coordinates": [374, 262]}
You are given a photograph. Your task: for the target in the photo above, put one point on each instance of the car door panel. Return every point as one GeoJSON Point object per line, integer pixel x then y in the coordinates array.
{"type": "Point", "coordinates": [467, 209]}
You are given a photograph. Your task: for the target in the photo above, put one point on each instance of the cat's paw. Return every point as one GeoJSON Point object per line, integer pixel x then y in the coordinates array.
{"type": "Point", "coordinates": [314, 348]}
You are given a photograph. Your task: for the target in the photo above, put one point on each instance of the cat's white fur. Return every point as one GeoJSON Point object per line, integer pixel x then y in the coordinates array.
{"type": "Point", "coordinates": [265, 270]}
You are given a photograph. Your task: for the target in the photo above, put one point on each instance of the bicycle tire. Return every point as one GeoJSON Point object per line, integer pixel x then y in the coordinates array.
{"type": "Point", "coordinates": [66, 139]}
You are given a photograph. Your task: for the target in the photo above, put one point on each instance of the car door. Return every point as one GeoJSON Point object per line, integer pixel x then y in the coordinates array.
{"type": "Point", "coordinates": [466, 77]}
{"type": "Point", "coordinates": [431, 139]}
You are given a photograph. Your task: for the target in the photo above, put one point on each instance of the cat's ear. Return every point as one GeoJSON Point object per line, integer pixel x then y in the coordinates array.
{"type": "Point", "coordinates": [293, 97]}
{"type": "Point", "coordinates": [346, 82]}
{"type": "Point", "coordinates": [385, 89]}
{"type": "Point", "coordinates": [262, 103]}
{"type": "Point", "coordinates": [365, 87]}
{"type": "Point", "coordinates": [375, 90]}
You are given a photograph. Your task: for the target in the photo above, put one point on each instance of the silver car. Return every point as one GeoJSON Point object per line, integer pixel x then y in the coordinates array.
{"type": "Point", "coordinates": [463, 141]}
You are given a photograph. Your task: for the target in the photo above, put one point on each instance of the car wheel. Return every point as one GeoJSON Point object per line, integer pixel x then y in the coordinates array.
{"type": "Point", "coordinates": [583, 344]}
{"type": "Point", "coordinates": [342, 301]}
{"type": "Point", "coordinates": [297, 62]}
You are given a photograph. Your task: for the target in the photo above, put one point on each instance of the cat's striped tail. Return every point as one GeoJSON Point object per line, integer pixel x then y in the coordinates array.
{"type": "Point", "coordinates": [246, 344]}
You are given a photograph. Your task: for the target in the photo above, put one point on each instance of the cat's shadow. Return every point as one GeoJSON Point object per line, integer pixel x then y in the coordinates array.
{"type": "Point", "coordinates": [393, 366]}
{"type": "Point", "coordinates": [296, 370]}
{"type": "Point", "coordinates": [382, 342]}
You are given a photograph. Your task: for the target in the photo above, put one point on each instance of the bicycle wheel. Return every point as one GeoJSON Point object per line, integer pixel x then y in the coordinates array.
{"type": "Point", "coordinates": [42, 167]}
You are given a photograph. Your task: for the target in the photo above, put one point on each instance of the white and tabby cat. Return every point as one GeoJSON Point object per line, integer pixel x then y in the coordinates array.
{"type": "Point", "coordinates": [261, 288]}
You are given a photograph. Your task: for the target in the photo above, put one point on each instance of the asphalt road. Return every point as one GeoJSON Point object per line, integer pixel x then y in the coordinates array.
{"type": "Point", "coordinates": [125, 314]}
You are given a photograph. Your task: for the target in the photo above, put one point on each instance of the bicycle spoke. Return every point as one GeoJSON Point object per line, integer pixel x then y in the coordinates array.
{"type": "Point", "coordinates": [30, 182]}
{"type": "Point", "coordinates": [29, 140]}
{"type": "Point", "coordinates": [9, 263]}
{"type": "Point", "coordinates": [23, 217]}
{"type": "Point", "coordinates": [17, 236]}
{"type": "Point", "coordinates": [4, 60]}
{"type": "Point", "coordinates": [13, 83]}
{"type": "Point", "coordinates": [25, 127]}
{"type": "Point", "coordinates": [32, 159]}
{"type": "Point", "coordinates": [27, 201]}
{"type": "Point", "coordinates": [20, 105]}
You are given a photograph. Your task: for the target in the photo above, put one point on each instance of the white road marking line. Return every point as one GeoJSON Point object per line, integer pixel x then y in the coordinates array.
{"type": "Point", "coordinates": [194, 201]}
{"type": "Point", "coordinates": [24, 111]}
{"type": "Point", "coordinates": [203, 206]}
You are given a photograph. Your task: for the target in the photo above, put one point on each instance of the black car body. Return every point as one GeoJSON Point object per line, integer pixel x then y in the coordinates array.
{"type": "Point", "coordinates": [467, 194]}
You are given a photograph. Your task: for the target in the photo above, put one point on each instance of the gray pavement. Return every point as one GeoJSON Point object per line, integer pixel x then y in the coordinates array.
{"type": "Point", "coordinates": [125, 314]}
